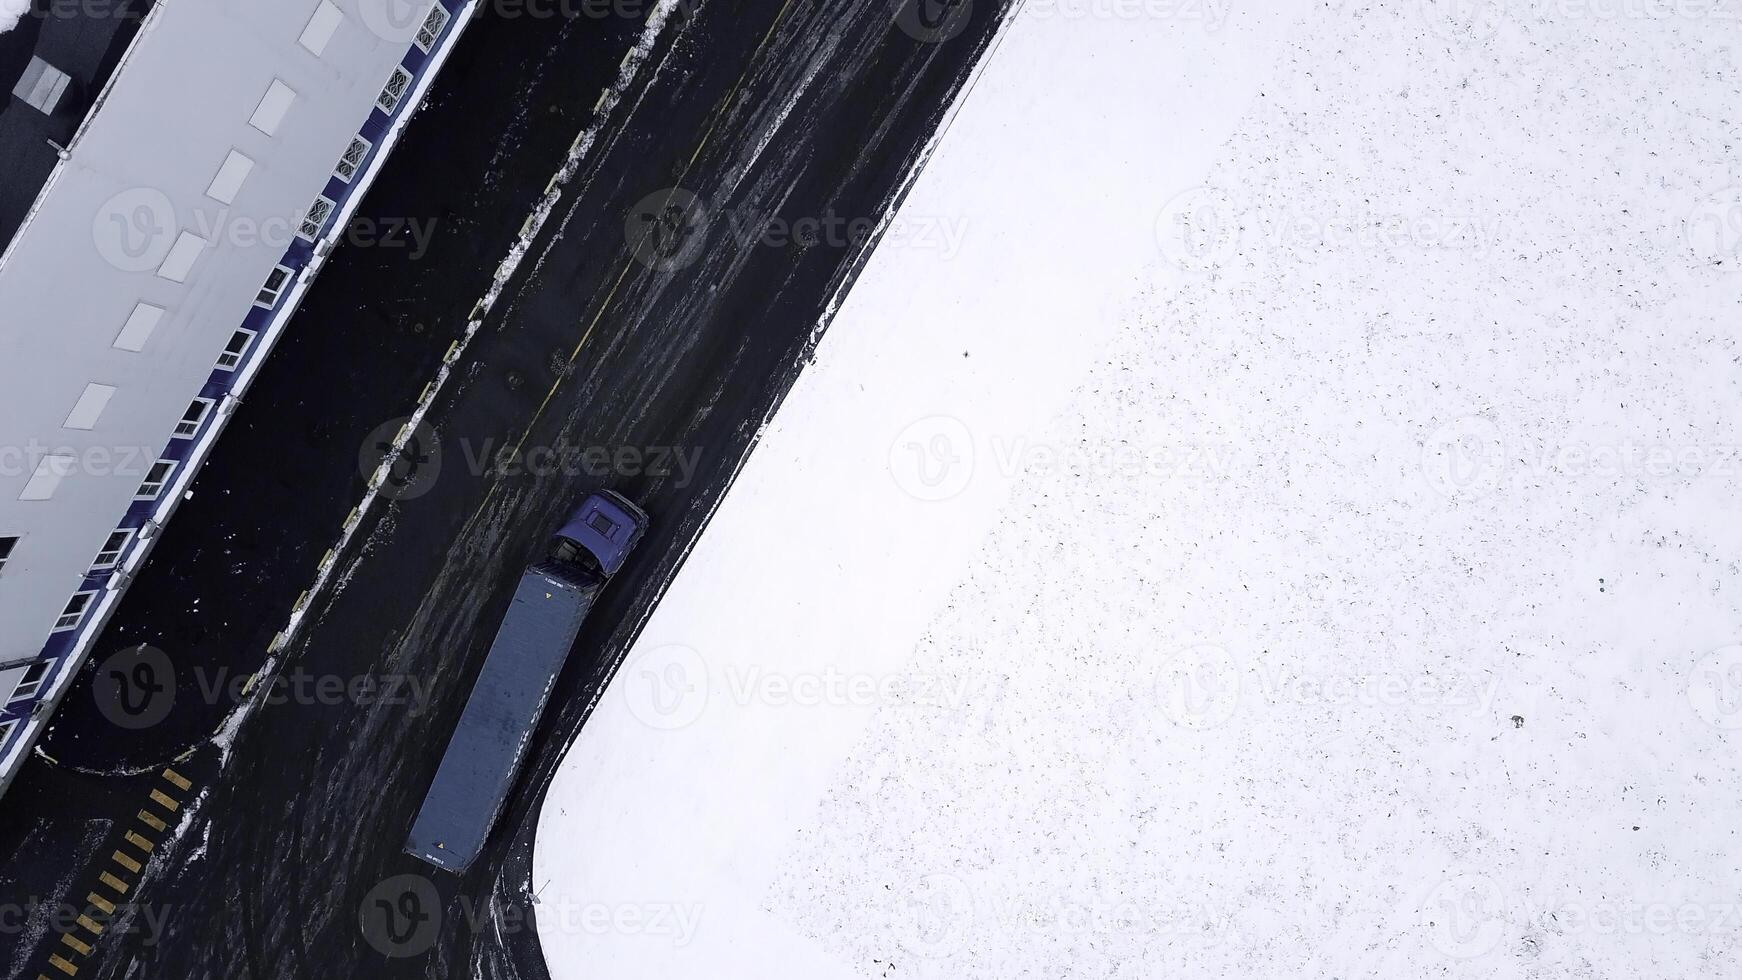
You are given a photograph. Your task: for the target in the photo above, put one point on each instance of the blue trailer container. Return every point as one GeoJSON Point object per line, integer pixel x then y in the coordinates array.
{"type": "Point", "coordinates": [488, 745]}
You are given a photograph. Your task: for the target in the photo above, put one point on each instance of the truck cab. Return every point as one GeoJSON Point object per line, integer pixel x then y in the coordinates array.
{"type": "Point", "coordinates": [601, 533]}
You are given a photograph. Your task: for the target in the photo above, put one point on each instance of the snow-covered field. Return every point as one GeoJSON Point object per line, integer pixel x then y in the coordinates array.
{"type": "Point", "coordinates": [1296, 534]}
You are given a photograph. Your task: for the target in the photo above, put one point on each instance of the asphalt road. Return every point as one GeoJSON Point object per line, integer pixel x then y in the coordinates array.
{"type": "Point", "coordinates": [646, 336]}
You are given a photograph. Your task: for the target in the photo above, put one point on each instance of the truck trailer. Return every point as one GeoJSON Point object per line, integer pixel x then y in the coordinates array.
{"type": "Point", "coordinates": [489, 743]}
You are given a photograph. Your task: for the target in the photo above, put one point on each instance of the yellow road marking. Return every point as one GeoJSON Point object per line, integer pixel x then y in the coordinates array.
{"type": "Point", "coordinates": [62, 965]}
{"type": "Point", "coordinates": [629, 263]}
{"type": "Point", "coordinates": [68, 939]}
{"type": "Point", "coordinates": [102, 904]}
{"type": "Point", "coordinates": [181, 782]}
{"type": "Point", "coordinates": [150, 821]}
{"type": "Point", "coordinates": [139, 842]}
{"type": "Point", "coordinates": [158, 797]}
{"type": "Point", "coordinates": [114, 882]}
{"type": "Point", "coordinates": [91, 925]}
{"type": "Point", "coordinates": [760, 46]}
{"type": "Point", "coordinates": [121, 858]}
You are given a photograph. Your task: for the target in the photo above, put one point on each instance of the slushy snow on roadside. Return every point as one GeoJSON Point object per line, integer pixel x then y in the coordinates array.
{"type": "Point", "coordinates": [11, 12]}
{"type": "Point", "coordinates": [1323, 562]}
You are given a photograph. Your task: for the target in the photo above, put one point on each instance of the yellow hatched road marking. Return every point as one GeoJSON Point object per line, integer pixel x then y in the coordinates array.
{"type": "Point", "coordinates": [181, 782]}
{"type": "Point", "coordinates": [113, 882]}
{"type": "Point", "coordinates": [158, 797]}
{"type": "Point", "coordinates": [125, 861]}
{"type": "Point", "coordinates": [68, 939]}
{"type": "Point", "coordinates": [62, 965]}
{"type": "Point", "coordinates": [150, 821]}
{"type": "Point", "coordinates": [91, 925]}
{"type": "Point", "coordinates": [102, 904]}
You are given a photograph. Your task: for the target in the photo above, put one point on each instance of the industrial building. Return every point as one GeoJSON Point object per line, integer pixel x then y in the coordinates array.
{"type": "Point", "coordinates": [176, 173]}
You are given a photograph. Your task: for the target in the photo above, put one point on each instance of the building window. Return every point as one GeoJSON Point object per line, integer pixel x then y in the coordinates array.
{"type": "Point", "coordinates": [191, 419]}
{"type": "Point", "coordinates": [30, 683]}
{"type": "Point", "coordinates": [316, 219]}
{"type": "Point", "coordinates": [41, 85]}
{"type": "Point", "coordinates": [352, 159]}
{"type": "Point", "coordinates": [233, 350]}
{"type": "Point", "coordinates": [6, 728]}
{"type": "Point", "coordinates": [110, 556]}
{"type": "Point", "coordinates": [432, 28]}
{"type": "Point", "coordinates": [6, 547]}
{"type": "Point", "coordinates": [74, 613]}
{"type": "Point", "coordinates": [394, 91]}
{"type": "Point", "coordinates": [155, 479]}
{"type": "Point", "coordinates": [272, 108]}
{"type": "Point", "coordinates": [269, 293]}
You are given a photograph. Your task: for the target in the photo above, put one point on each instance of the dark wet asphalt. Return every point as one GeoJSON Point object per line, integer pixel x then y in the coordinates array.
{"type": "Point", "coordinates": [651, 350]}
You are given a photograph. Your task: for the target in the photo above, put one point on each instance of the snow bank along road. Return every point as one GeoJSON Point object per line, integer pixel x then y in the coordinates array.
{"type": "Point", "coordinates": [1323, 562]}
{"type": "Point", "coordinates": [791, 126]}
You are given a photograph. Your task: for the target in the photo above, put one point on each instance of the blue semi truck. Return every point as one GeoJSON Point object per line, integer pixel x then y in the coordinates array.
{"type": "Point", "coordinates": [490, 741]}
